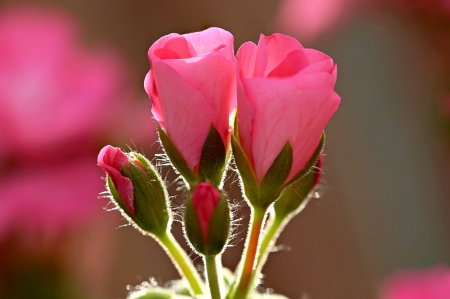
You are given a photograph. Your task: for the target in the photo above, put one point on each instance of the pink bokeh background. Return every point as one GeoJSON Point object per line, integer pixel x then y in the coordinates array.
{"type": "Point", "coordinates": [71, 81]}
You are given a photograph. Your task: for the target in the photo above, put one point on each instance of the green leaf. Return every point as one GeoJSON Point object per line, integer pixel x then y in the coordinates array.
{"type": "Point", "coordinates": [213, 159]}
{"type": "Point", "coordinates": [311, 161]}
{"type": "Point", "coordinates": [273, 181]}
{"type": "Point", "coordinates": [178, 162]}
{"type": "Point", "coordinates": [251, 185]}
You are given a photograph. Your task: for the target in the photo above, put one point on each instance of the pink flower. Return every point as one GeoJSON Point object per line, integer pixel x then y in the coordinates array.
{"type": "Point", "coordinates": [57, 98]}
{"type": "Point", "coordinates": [432, 283]}
{"type": "Point", "coordinates": [51, 199]}
{"type": "Point", "coordinates": [112, 160]}
{"type": "Point", "coordinates": [192, 85]}
{"type": "Point", "coordinates": [285, 93]}
{"type": "Point", "coordinates": [55, 95]}
{"type": "Point", "coordinates": [205, 199]}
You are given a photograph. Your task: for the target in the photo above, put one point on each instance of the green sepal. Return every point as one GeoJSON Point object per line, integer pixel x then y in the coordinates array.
{"type": "Point", "coordinates": [291, 200]}
{"type": "Point", "coordinates": [155, 293]}
{"type": "Point", "coordinates": [311, 161]}
{"type": "Point", "coordinates": [192, 227]}
{"type": "Point", "coordinates": [219, 228]}
{"type": "Point", "coordinates": [246, 172]}
{"type": "Point", "coordinates": [117, 198]}
{"type": "Point", "coordinates": [213, 159]}
{"type": "Point", "coordinates": [150, 199]}
{"type": "Point", "coordinates": [178, 161]}
{"type": "Point", "coordinates": [273, 182]}
{"type": "Point", "coordinates": [218, 231]}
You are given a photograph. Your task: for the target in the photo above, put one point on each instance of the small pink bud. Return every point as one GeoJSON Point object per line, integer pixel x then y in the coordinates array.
{"type": "Point", "coordinates": [205, 199]}
{"type": "Point", "coordinates": [112, 159]}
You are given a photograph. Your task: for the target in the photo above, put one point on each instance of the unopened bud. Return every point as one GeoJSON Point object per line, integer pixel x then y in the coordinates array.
{"type": "Point", "coordinates": [207, 219]}
{"type": "Point", "coordinates": [137, 189]}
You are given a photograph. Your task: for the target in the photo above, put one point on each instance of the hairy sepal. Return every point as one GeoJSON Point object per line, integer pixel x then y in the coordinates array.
{"type": "Point", "coordinates": [213, 159]}
{"type": "Point", "coordinates": [175, 157]}
{"type": "Point", "coordinates": [291, 200]}
{"type": "Point", "coordinates": [273, 182]}
{"type": "Point", "coordinates": [218, 230]}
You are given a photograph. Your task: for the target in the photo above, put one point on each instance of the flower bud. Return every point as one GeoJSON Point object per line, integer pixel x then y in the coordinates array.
{"type": "Point", "coordinates": [207, 219]}
{"type": "Point", "coordinates": [192, 86]}
{"type": "Point", "coordinates": [137, 189]}
{"type": "Point", "coordinates": [296, 196]}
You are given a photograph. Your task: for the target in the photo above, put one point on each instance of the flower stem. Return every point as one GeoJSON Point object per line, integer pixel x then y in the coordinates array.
{"type": "Point", "coordinates": [212, 274]}
{"type": "Point", "coordinates": [246, 270]}
{"type": "Point", "coordinates": [182, 262]}
{"type": "Point", "coordinates": [274, 228]}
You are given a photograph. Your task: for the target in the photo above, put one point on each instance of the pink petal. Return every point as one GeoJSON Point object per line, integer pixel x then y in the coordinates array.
{"type": "Point", "coordinates": [112, 160]}
{"type": "Point", "coordinates": [218, 89]}
{"type": "Point", "coordinates": [246, 57]}
{"type": "Point", "coordinates": [172, 46]}
{"type": "Point", "coordinates": [150, 88]}
{"type": "Point", "coordinates": [210, 40]}
{"type": "Point", "coordinates": [285, 112]}
{"type": "Point", "coordinates": [272, 50]}
{"type": "Point", "coordinates": [187, 114]}
{"type": "Point", "coordinates": [291, 65]}
{"type": "Point", "coordinates": [205, 199]}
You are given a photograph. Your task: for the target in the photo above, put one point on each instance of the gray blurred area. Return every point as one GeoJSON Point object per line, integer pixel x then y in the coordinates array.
{"type": "Point", "coordinates": [385, 200]}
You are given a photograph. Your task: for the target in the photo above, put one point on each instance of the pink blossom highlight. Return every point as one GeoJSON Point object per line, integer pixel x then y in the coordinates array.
{"type": "Point", "coordinates": [432, 283]}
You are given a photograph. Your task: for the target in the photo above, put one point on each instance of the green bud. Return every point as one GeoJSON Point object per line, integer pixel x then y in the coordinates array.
{"type": "Point", "coordinates": [138, 190]}
{"type": "Point", "coordinates": [207, 219]}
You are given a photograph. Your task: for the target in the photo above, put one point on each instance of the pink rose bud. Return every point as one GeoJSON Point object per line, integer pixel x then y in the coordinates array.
{"type": "Point", "coordinates": [433, 283]}
{"type": "Point", "coordinates": [112, 160]}
{"type": "Point", "coordinates": [205, 199]}
{"type": "Point", "coordinates": [207, 219]}
{"type": "Point", "coordinates": [285, 94]}
{"type": "Point", "coordinates": [192, 85]}
{"type": "Point", "coordinates": [137, 189]}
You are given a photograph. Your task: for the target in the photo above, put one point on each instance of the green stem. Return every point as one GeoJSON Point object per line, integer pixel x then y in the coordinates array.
{"type": "Point", "coordinates": [182, 262]}
{"type": "Point", "coordinates": [275, 226]}
{"type": "Point", "coordinates": [244, 278]}
{"type": "Point", "coordinates": [213, 277]}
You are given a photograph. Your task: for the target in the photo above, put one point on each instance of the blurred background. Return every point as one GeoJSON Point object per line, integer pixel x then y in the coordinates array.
{"type": "Point", "coordinates": [71, 81]}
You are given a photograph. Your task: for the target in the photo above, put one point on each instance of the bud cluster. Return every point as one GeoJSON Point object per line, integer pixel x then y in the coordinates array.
{"type": "Point", "coordinates": [278, 96]}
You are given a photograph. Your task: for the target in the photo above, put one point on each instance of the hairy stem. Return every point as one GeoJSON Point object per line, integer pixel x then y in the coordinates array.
{"type": "Point", "coordinates": [182, 262]}
{"type": "Point", "coordinates": [243, 287]}
{"type": "Point", "coordinates": [213, 275]}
